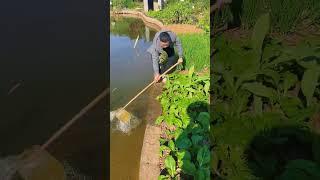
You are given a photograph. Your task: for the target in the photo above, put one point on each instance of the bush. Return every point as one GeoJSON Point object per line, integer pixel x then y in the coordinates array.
{"type": "Point", "coordinates": [120, 4]}
{"type": "Point", "coordinates": [185, 12]}
{"type": "Point", "coordinates": [175, 12]}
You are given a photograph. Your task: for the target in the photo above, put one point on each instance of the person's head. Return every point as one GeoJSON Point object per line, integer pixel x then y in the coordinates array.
{"type": "Point", "coordinates": [164, 39]}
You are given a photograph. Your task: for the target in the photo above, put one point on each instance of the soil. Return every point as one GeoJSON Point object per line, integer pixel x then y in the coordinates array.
{"type": "Point", "coordinates": [290, 39]}
{"type": "Point", "coordinates": [204, 71]}
{"type": "Point", "coordinates": [183, 28]}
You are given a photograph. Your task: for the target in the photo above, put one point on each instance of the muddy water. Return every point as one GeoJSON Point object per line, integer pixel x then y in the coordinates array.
{"type": "Point", "coordinates": [53, 53]}
{"type": "Point", "coordinates": [131, 71]}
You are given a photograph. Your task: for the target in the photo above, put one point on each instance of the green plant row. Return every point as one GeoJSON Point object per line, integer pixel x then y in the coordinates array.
{"type": "Point", "coordinates": [196, 49]}
{"type": "Point", "coordinates": [260, 84]}
{"type": "Point", "coordinates": [185, 145]}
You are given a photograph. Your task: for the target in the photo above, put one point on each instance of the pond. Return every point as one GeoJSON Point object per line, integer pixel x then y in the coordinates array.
{"type": "Point", "coordinates": [130, 71]}
{"type": "Point", "coordinates": [55, 58]}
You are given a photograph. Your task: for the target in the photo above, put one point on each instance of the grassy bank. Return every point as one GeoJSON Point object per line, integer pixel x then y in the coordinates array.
{"type": "Point", "coordinates": [196, 50]}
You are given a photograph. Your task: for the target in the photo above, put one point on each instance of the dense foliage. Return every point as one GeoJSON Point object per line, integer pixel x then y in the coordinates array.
{"type": "Point", "coordinates": [122, 4]}
{"type": "Point", "coordinates": [185, 145]}
{"type": "Point", "coordinates": [185, 12]}
{"type": "Point", "coordinates": [265, 94]}
{"type": "Point", "coordinates": [286, 15]}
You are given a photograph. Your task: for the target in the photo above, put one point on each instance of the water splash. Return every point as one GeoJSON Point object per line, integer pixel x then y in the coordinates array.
{"type": "Point", "coordinates": [122, 126]}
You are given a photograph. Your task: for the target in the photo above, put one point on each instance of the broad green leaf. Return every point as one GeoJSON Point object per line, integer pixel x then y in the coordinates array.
{"type": "Point", "coordinates": [309, 83]}
{"type": "Point", "coordinates": [302, 50]}
{"type": "Point", "coordinates": [203, 174]}
{"type": "Point", "coordinates": [290, 105]}
{"type": "Point", "coordinates": [177, 133]}
{"type": "Point", "coordinates": [171, 145]}
{"type": "Point", "coordinates": [283, 58]}
{"type": "Point", "coordinates": [270, 51]}
{"type": "Point", "coordinates": [163, 177]}
{"type": "Point", "coordinates": [163, 147]}
{"type": "Point", "coordinates": [186, 121]}
{"type": "Point", "coordinates": [204, 119]}
{"type": "Point", "coordinates": [196, 139]}
{"type": "Point", "coordinates": [196, 129]}
{"type": "Point", "coordinates": [308, 64]}
{"type": "Point", "coordinates": [289, 80]}
{"type": "Point", "coordinates": [177, 122]}
{"type": "Point", "coordinates": [183, 155]}
{"type": "Point", "coordinates": [162, 141]}
{"type": "Point", "coordinates": [188, 167]}
{"type": "Point", "coordinates": [257, 104]}
{"type": "Point", "coordinates": [183, 142]}
{"type": "Point", "coordinates": [273, 74]}
{"type": "Point", "coordinates": [260, 90]}
{"type": "Point", "coordinates": [170, 164]}
{"type": "Point", "coordinates": [249, 76]}
{"type": "Point", "coordinates": [203, 156]}
{"type": "Point", "coordinates": [260, 30]}
{"type": "Point", "coordinates": [169, 121]}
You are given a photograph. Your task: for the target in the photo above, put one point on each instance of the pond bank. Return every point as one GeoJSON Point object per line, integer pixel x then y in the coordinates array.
{"type": "Point", "coordinates": [158, 25]}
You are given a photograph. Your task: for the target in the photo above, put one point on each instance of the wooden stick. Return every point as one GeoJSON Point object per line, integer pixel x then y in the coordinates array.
{"type": "Point", "coordinates": [150, 85]}
{"type": "Point", "coordinates": [76, 117]}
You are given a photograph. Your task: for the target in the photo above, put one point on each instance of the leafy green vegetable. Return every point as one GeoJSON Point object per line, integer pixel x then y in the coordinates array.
{"type": "Point", "coordinates": [203, 173]}
{"type": "Point", "coordinates": [171, 145]}
{"type": "Point", "coordinates": [170, 164]}
{"type": "Point", "coordinates": [261, 90]}
{"type": "Point", "coordinates": [183, 142]}
{"type": "Point", "coordinates": [309, 83]}
{"type": "Point", "coordinates": [204, 119]}
{"type": "Point", "coordinates": [259, 32]}
{"type": "Point", "coordinates": [203, 156]}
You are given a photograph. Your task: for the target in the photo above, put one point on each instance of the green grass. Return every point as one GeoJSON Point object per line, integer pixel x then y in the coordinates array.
{"type": "Point", "coordinates": [196, 48]}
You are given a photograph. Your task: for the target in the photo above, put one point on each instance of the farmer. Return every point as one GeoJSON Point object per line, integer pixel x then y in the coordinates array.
{"type": "Point", "coordinates": [162, 52]}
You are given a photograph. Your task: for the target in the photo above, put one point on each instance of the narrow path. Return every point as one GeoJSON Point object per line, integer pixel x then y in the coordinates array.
{"type": "Point", "coordinates": [183, 28]}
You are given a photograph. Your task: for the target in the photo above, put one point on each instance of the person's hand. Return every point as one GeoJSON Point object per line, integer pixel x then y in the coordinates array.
{"type": "Point", "coordinates": [180, 60]}
{"type": "Point", "coordinates": [156, 77]}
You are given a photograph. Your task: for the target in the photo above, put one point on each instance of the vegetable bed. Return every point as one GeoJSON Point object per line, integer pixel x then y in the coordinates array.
{"type": "Point", "coordinates": [185, 125]}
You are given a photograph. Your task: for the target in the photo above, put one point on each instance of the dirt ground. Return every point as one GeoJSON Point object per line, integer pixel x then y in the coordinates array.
{"type": "Point", "coordinates": [290, 39]}
{"type": "Point", "coordinates": [183, 28]}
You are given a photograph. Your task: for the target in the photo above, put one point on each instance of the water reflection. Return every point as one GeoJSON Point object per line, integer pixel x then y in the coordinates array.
{"type": "Point", "coordinates": [130, 71]}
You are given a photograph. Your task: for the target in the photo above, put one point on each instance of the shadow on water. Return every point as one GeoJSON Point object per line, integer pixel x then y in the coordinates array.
{"type": "Point", "coordinates": [289, 152]}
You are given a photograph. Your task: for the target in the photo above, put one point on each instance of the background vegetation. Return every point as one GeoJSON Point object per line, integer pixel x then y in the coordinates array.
{"type": "Point", "coordinates": [265, 105]}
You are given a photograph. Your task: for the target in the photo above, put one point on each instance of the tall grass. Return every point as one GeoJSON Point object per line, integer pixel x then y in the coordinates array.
{"type": "Point", "coordinates": [196, 49]}
{"type": "Point", "coordinates": [286, 15]}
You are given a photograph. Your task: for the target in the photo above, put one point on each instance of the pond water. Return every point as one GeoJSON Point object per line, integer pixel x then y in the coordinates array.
{"type": "Point", "coordinates": [131, 71]}
{"type": "Point", "coordinates": [55, 55]}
